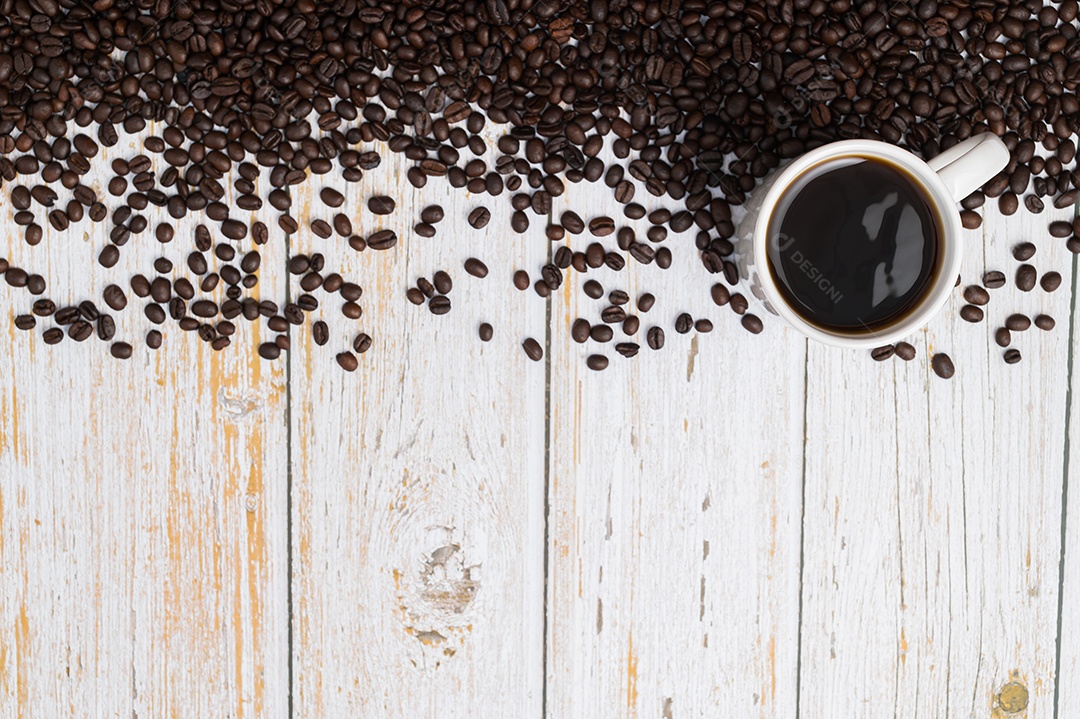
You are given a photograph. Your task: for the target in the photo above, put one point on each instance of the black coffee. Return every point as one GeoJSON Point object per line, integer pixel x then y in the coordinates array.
{"type": "Point", "coordinates": [854, 244]}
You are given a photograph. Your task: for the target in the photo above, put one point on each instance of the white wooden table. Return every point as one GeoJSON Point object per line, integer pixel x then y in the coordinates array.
{"type": "Point", "coordinates": [733, 526]}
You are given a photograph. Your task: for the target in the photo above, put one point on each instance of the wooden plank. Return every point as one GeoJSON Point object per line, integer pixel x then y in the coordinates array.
{"type": "Point", "coordinates": [1068, 699]}
{"type": "Point", "coordinates": [142, 503]}
{"type": "Point", "coordinates": [418, 480]}
{"type": "Point", "coordinates": [675, 501]}
{"type": "Point", "coordinates": [932, 509]}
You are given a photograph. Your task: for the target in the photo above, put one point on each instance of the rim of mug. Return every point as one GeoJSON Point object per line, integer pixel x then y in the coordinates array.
{"type": "Point", "coordinates": [934, 299]}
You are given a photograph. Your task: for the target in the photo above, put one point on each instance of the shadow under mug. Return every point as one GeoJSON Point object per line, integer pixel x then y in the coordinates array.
{"type": "Point", "coordinates": [945, 180]}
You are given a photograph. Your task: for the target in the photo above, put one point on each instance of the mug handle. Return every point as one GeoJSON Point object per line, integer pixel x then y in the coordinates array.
{"type": "Point", "coordinates": [968, 165]}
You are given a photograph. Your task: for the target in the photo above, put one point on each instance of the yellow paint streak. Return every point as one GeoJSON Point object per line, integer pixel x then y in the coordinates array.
{"type": "Point", "coordinates": [22, 651]}
{"type": "Point", "coordinates": [903, 646]}
{"type": "Point", "coordinates": [631, 678]}
{"type": "Point", "coordinates": [772, 668]}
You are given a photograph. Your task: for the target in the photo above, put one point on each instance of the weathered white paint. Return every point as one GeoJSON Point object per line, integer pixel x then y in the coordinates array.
{"type": "Point", "coordinates": [142, 504]}
{"type": "Point", "coordinates": [932, 508]}
{"type": "Point", "coordinates": [915, 534]}
{"type": "Point", "coordinates": [418, 481]}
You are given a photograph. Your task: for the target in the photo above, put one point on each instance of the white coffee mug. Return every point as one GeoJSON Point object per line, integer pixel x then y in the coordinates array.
{"type": "Point", "coordinates": [946, 179]}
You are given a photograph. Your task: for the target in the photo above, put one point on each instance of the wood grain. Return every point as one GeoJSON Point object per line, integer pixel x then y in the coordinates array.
{"type": "Point", "coordinates": [932, 515]}
{"type": "Point", "coordinates": [675, 502]}
{"type": "Point", "coordinates": [142, 504]}
{"type": "Point", "coordinates": [418, 481]}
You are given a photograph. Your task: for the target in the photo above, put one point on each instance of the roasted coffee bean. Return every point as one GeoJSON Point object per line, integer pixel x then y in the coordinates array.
{"type": "Point", "coordinates": [521, 279]}
{"type": "Point", "coordinates": [476, 268]}
{"type": "Point", "coordinates": [485, 331]}
{"type": "Point", "coordinates": [552, 276]}
{"type": "Point", "coordinates": [432, 214]}
{"type": "Point", "coordinates": [596, 362]}
{"type": "Point", "coordinates": [120, 350]}
{"type": "Point", "coordinates": [331, 197]}
{"type": "Point", "coordinates": [655, 337]}
{"type": "Point", "coordinates": [970, 219]}
{"type": "Point", "coordinates": [601, 226]}
{"type": "Point", "coordinates": [1060, 228]}
{"type": "Point", "coordinates": [443, 283]}
{"type": "Point", "coordinates": [976, 295]}
{"type": "Point", "coordinates": [971, 313]}
{"type": "Point", "coordinates": [1017, 322]}
{"type": "Point", "coordinates": [25, 322]}
{"type": "Point", "coordinates": [580, 330]}
{"type": "Point", "coordinates": [153, 339]}
{"type": "Point", "coordinates": [1050, 281]}
{"type": "Point", "coordinates": [905, 351]}
{"type": "Point", "coordinates": [533, 350]}
{"type": "Point", "coordinates": [645, 302]}
{"type": "Point", "coordinates": [1045, 322]}
{"type": "Point", "coordinates": [52, 336]}
{"type": "Point", "coordinates": [382, 240]}
{"type": "Point", "coordinates": [479, 217]}
{"type": "Point", "coordinates": [684, 323]}
{"type": "Point", "coordinates": [320, 333]}
{"type": "Point", "coordinates": [751, 323]}
{"type": "Point", "coordinates": [601, 333]}
{"type": "Point", "coordinates": [613, 314]}
{"type": "Point", "coordinates": [269, 351]}
{"type": "Point", "coordinates": [347, 361]}
{"type": "Point", "coordinates": [80, 330]}
{"type": "Point", "coordinates": [321, 228]}
{"type": "Point", "coordinates": [361, 343]}
{"type": "Point", "coordinates": [942, 365]}
{"type": "Point", "coordinates": [993, 280]}
{"type": "Point", "coordinates": [1025, 278]}
{"type": "Point", "coordinates": [627, 349]}
{"type": "Point", "coordinates": [1002, 336]}
{"type": "Point", "coordinates": [439, 305]}
{"type": "Point", "coordinates": [425, 286]}
{"type": "Point", "coordinates": [880, 354]}
{"type": "Point", "coordinates": [1008, 204]}
{"type": "Point", "coordinates": [381, 205]}
{"type": "Point", "coordinates": [44, 308]}
{"type": "Point", "coordinates": [1012, 356]}
{"type": "Point", "coordinates": [1024, 251]}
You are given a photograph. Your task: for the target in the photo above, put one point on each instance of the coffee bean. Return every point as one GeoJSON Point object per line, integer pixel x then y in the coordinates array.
{"type": "Point", "coordinates": [645, 302]}
{"type": "Point", "coordinates": [1017, 322]}
{"type": "Point", "coordinates": [597, 362]}
{"type": "Point", "coordinates": [382, 240]}
{"type": "Point", "coordinates": [381, 205]}
{"type": "Point", "coordinates": [120, 350]}
{"type": "Point", "coordinates": [971, 313]}
{"type": "Point", "coordinates": [976, 295]}
{"type": "Point", "coordinates": [44, 308]}
{"type": "Point", "coordinates": [414, 295]}
{"type": "Point", "coordinates": [320, 333]}
{"type": "Point", "coordinates": [1050, 281]}
{"type": "Point", "coordinates": [1060, 228]}
{"type": "Point", "coordinates": [425, 287]}
{"type": "Point", "coordinates": [432, 214]}
{"type": "Point", "coordinates": [1025, 278]}
{"type": "Point", "coordinates": [684, 323]}
{"type": "Point", "coordinates": [533, 350]}
{"type": "Point", "coordinates": [655, 337]}
{"type": "Point", "coordinates": [321, 228]}
{"type": "Point", "coordinates": [1012, 356]}
{"type": "Point", "coordinates": [905, 351]}
{"type": "Point", "coordinates": [572, 222]}
{"type": "Point", "coordinates": [627, 349]}
{"type": "Point", "coordinates": [970, 219]}
{"type": "Point", "coordinates": [331, 197]}
{"type": "Point", "coordinates": [479, 217]}
{"type": "Point", "coordinates": [1008, 204]}
{"type": "Point", "coordinates": [80, 330]}
{"type": "Point", "coordinates": [942, 365]}
{"type": "Point", "coordinates": [1024, 251]}
{"type": "Point", "coordinates": [601, 333]}
{"type": "Point", "coordinates": [52, 336]}
{"type": "Point", "coordinates": [552, 276]}
{"type": "Point", "coordinates": [25, 322]}
{"type": "Point", "coordinates": [880, 354]}
{"type": "Point", "coordinates": [1002, 336]}
{"type": "Point", "coordinates": [601, 226]}
{"type": "Point", "coordinates": [1045, 322]}
{"type": "Point", "coordinates": [521, 279]}
{"type": "Point", "coordinates": [476, 268]}
{"type": "Point", "coordinates": [993, 280]}
{"type": "Point", "coordinates": [439, 305]}
{"type": "Point", "coordinates": [580, 330]}
{"type": "Point", "coordinates": [485, 331]}
{"type": "Point", "coordinates": [613, 314]}
{"type": "Point", "coordinates": [751, 323]}
{"type": "Point", "coordinates": [362, 343]}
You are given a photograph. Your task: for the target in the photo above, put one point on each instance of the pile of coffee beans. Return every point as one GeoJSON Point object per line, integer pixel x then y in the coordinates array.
{"type": "Point", "coordinates": [697, 101]}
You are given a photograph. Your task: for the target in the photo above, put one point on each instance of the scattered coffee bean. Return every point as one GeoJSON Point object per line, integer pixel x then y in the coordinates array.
{"type": "Point", "coordinates": [476, 268]}
{"type": "Point", "coordinates": [597, 362]}
{"type": "Point", "coordinates": [655, 337]}
{"type": "Point", "coordinates": [1050, 281]}
{"type": "Point", "coordinates": [880, 354]}
{"type": "Point", "coordinates": [1017, 322]}
{"type": "Point", "coordinates": [331, 197]}
{"type": "Point", "coordinates": [905, 351]}
{"type": "Point", "coordinates": [1002, 336]}
{"type": "Point", "coordinates": [320, 333]}
{"type": "Point", "coordinates": [645, 302]}
{"type": "Point", "coordinates": [1024, 251]}
{"type": "Point", "coordinates": [943, 366]}
{"type": "Point", "coordinates": [479, 217]}
{"type": "Point", "coordinates": [684, 323]}
{"type": "Point", "coordinates": [971, 313]}
{"type": "Point", "coordinates": [993, 280]}
{"type": "Point", "coordinates": [533, 350]}
{"type": "Point", "coordinates": [1025, 278]}
{"type": "Point", "coordinates": [485, 331]}
{"type": "Point", "coordinates": [120, 350]}
{"type": "Point", "coordinates": [347, 361]}
{"type": "Point", "coordinates": [1045, 322]}
{"type": "Point", "coordinates": [362, 343]}
{"type": "Point", "coordinates": [1012, 356]}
